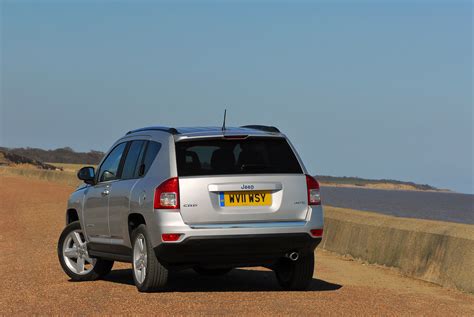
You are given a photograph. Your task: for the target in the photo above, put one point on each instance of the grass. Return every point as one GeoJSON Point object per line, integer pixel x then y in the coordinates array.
{"type": "Point", "coordinates": [70, 167]}
{"type": "Point", "coordinates": [63, 177]}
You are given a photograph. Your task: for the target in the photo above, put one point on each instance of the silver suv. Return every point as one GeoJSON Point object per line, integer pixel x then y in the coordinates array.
{"type": "Point", "coordinates": [210, 199]}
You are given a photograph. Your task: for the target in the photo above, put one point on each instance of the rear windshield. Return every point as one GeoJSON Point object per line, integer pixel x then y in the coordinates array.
{"type": "Point", "coordinates": [236, 156]}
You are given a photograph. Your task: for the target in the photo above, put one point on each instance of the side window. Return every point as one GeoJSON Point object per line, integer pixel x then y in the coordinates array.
{"type": "Point", "coordinates": [152, 150]}
{"type": "Point", "coordinates": [133, 160]}
{"type": "Point", "coordinates": [110, 167]}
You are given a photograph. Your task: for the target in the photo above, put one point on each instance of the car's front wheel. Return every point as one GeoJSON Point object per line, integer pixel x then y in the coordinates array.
{"type": "Point", "coordinates": [295, 275]}
{"type": "Point", "coordinates": [148, 273]}
{"type": "Point", "coordinates": [74, 257]}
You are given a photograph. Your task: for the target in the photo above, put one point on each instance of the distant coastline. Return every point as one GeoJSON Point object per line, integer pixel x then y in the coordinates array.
{"type": "Point", "coordinates": [385, 184]}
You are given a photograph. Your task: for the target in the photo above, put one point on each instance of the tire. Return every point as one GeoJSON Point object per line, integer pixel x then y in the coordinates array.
{"type": "Point", "coordinates": [295, 275]}
{"type": "Point", "coordinates": [74, 258]}
{"type": "Point", "coordinates": [148, 273]}
{"type": "Point", "coordinates": [212, 272]}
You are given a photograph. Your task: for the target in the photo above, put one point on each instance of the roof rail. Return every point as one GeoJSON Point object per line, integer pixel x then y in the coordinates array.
{"type": "Point", "coordinates": [164, 129]}
{"type": "Point", "coordinates": [265, 128]}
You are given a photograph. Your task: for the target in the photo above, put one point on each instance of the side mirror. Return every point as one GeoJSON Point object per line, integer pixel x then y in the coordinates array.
{"type": "Point", "coordinates": [87, 174]}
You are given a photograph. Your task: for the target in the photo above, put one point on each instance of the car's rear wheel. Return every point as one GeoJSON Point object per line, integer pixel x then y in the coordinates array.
{"type": "Point", "coordinates": [212, 272]}
{"type": "Point", "coordinates": [74, 257]}
{"type": "Point", "coordinates": [148, 273]}
{"type": "Point", "coordinates": [295, 275]}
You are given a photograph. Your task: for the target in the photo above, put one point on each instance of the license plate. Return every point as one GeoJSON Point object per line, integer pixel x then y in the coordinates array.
{"type": "Point", "coordinates": [243, 198]}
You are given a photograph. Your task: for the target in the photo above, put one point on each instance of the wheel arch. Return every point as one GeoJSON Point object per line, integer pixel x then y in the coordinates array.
{"type": "Point", "coordinates": [71, 215]}
{"type": "Point", "coordinates": [133, 221]}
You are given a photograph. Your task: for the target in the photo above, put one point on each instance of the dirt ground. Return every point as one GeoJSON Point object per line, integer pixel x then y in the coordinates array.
{"type": "Point", "coordinates": [32, 217]}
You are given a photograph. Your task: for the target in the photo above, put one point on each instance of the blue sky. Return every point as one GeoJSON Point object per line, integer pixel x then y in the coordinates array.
{"type": "Point", "coordinates": [376, 89]}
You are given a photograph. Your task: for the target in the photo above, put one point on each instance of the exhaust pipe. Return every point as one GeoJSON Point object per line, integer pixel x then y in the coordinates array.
{"type": "Point", "coordinates": [293, 256]}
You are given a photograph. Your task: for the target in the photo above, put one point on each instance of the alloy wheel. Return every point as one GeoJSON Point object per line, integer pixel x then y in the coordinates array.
{"type": "Point", "coordinates": [140, 257]}
{"type": "Point", "coordinates": [75, 254]}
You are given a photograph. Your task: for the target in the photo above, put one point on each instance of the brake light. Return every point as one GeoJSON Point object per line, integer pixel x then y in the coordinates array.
{"type": "Point", "coordinates": [314, 197]}
{"type": "Point", "coordinates": [170, 237]}
{"type": "Point", "coordinates": [316, 232]}
{"type": "Point", "coordinates": [167, 195]}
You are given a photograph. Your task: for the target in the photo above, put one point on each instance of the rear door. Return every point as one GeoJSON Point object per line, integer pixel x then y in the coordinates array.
{"type": "Point", "coordinates": [253, 179]}
{"type": "Point", "coordinates": [119, 198]}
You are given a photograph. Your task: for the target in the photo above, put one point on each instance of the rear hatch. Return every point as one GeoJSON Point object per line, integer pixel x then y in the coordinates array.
{"type": "Point", "coordinates": [240, 180]}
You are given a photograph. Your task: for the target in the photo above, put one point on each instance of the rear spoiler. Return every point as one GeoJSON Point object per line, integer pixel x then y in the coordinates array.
{"type": "Point", "coordinates": [265, 128]}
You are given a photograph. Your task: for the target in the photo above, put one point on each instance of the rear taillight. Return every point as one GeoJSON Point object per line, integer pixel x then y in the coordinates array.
{"type": "Point", "coordinates": [167, 194]}
{"type": "Point", "coordinates": [314, 197]}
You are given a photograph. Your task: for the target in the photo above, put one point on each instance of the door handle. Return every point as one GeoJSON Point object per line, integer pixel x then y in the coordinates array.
{"type": "Point", "coordinates": [105, 192]}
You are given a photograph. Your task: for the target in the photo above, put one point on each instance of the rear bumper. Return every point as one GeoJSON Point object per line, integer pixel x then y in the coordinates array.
{"type": "Point", "coordinates": [169, 221]}
{"type": "Point", "coordinates": [234, 250]}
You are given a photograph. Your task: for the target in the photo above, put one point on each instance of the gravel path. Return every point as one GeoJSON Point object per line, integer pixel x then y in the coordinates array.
{"type": "Point", "coordinates": [32, 216]}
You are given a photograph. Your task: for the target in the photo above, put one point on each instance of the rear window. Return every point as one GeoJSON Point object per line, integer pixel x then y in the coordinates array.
{"type": "Point", "coordinates": [236, 156]}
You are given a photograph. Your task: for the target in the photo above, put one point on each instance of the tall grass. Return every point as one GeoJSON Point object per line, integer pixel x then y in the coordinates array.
{"type": "Point", "coordinates": [67, 178]}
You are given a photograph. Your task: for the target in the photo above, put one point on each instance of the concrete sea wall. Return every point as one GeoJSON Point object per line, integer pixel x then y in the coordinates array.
{"type": "Point", "coordinates": [437, 252]}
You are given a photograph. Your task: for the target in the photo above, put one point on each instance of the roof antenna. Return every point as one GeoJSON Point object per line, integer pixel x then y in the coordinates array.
{"type": "Point", "coordinates": [223, 124]}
